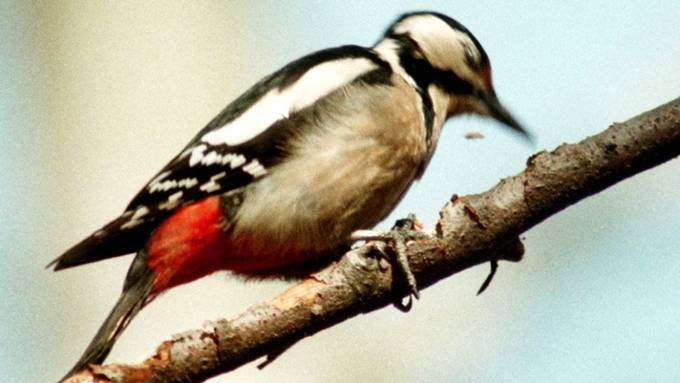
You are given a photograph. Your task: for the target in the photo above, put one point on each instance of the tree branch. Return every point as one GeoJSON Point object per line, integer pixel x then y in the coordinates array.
{"type": "Point", "coordinates": [471, 230]}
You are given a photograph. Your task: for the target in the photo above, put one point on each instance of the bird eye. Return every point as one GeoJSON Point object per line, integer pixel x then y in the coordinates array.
{"type": "Point", "coordinates": [469, 56]}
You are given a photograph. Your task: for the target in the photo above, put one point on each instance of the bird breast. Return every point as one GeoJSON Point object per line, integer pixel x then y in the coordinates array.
{"type": "Point", "coordinates": [353, 157]}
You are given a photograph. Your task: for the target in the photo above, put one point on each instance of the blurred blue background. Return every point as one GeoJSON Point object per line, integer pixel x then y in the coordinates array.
{"type": "Point", "coordinates": [96, 96]}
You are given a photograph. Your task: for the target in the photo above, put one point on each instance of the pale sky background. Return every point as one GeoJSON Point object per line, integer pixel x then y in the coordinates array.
{"type": "Point", "coordinates": [96, 96]}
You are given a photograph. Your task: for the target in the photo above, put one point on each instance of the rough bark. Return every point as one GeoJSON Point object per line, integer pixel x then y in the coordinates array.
{"type": "Point", "coordinates": [471, 230]}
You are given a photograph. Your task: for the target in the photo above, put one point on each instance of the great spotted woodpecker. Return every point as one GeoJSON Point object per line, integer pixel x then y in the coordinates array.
{"type": "Point", "coordinates": [283, 176]}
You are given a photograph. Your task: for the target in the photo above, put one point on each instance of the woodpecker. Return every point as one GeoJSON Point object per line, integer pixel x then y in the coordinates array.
{"type": "Point", "coordinates": [282, 177]}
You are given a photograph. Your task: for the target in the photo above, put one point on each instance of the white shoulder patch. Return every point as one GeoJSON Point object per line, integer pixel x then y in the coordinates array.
{"type": "Point", "coordinates": [278, 104]}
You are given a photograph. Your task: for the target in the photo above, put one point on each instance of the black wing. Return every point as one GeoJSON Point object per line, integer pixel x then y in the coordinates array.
{"type": "Point", "coordinates": [207, 167]}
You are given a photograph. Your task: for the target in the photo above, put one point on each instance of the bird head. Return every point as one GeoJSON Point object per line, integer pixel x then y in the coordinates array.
{"type": "Point", "coordinates": [444, 59]}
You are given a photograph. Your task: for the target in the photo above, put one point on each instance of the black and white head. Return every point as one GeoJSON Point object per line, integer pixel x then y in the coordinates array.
{"type": "Point", "coordinates": [447, 63]}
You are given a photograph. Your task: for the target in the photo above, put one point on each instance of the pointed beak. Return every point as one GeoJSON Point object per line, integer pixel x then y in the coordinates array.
{"type": "Point", "coordinates": [498, 112]}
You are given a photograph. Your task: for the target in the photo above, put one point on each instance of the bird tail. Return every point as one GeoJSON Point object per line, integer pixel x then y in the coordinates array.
{"type": "Point", "coordinates": [137, 293]}
{"type": "Point", "coordinates": [112, 240]}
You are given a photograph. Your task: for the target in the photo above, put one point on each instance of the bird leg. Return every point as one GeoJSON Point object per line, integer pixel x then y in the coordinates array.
{"type": "Point", "coordinates": [403, 230]}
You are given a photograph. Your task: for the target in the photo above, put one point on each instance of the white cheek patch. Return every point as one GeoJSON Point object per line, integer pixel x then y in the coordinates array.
{"type": "Point", "coordinates": [443, 46]}
{"type": "Point", "coordinates": [278, 104]}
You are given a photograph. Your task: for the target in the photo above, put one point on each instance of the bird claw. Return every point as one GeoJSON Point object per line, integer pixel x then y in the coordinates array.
{"type": "Point", "coordinates": [489, 278]}
{"type": "Point", "coordinates": [403, 230]}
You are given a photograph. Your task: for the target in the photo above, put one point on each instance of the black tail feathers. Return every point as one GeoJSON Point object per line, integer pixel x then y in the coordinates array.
{"type": "Point", "coordinates": [136, 294]}
{"type": "Point", "coordinates": [112, 240]}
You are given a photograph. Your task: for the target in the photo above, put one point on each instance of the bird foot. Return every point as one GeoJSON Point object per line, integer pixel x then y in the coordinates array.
{"type": "Point", "coordinates": [404, 230]}
{"type": "Point", "coordinates": [489, 278]}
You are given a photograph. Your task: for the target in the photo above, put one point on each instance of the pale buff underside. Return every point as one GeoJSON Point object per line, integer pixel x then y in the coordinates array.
{"type": "Point", "coordinates": [346, 172]}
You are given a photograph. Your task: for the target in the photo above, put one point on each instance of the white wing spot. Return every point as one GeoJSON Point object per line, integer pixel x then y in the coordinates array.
{"type": "Point", "coordinates": [158, 179]}
{"type": "Point", "coordinates": [173, 201]}
{"type": "Point", "coordinates": [136, 218]}
{"type": "Point", "coordinates": [278, 104]}
{"type": "Point", "coordinates": [211, 158]}
{"type": "Point", "coordinates": [212, 185]}
{"type": "Point", "coordinates": [196, 154]}
{"type": "Point", "coordinates": [186, 183]}
{"type": "Point", "coordinates": [130, 224]}
{"type": "Point", "coordinates": [140, 212]}
{"type": "Point", "coordinates": [237, 160]}
{"type": "Point", "coordinates": [218, 176]}
{"type": "Point", "coordinates": [255, 168]}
